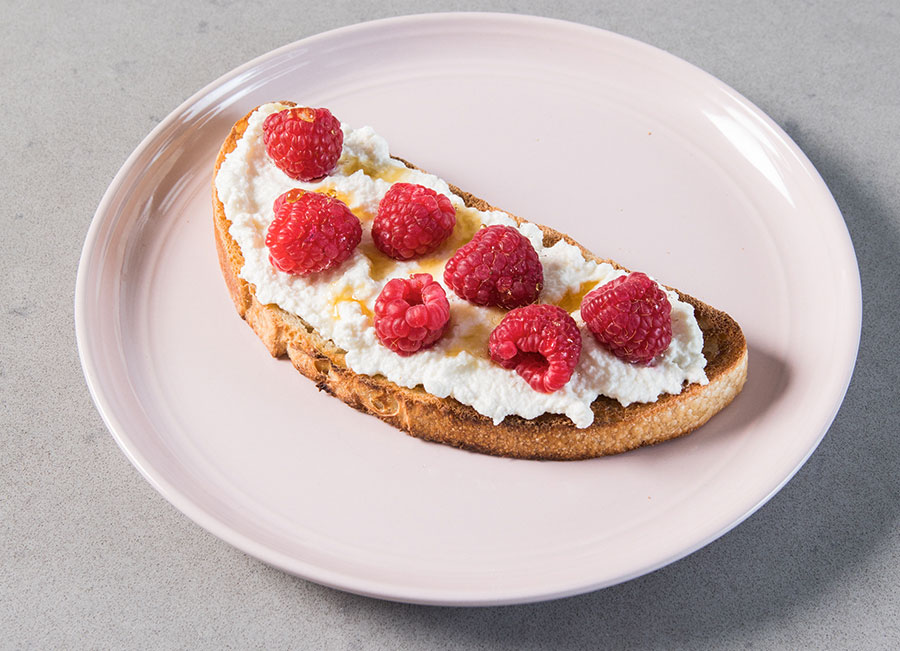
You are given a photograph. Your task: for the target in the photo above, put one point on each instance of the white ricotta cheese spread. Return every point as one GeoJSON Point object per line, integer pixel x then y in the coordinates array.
{"type": "Point", "coordinates": [339, 302]}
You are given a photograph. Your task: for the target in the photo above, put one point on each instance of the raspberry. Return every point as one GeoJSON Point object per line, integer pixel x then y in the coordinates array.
{"type": "Point", "coordinates": [311, 232]}
{"type": "Point", "coordinates": [498, 267]}
{"type": "Point", "coordinates": [631, 316]}
{"type": "Point", "coordinates": [412, 220]}
{"type": "Point", "coordinates": [541, 342]}
{"type": "Point", "coordinates": [411, 313]}
{"type": "Point", "coordinates": [304, 143]}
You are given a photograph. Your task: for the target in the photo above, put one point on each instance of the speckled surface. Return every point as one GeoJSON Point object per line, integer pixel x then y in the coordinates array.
{"type": "Point", "coordinates": [92, 557]}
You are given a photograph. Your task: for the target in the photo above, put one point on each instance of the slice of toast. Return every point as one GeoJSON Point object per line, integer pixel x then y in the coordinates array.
{"type": "Point", "coordinates": [445, 420]}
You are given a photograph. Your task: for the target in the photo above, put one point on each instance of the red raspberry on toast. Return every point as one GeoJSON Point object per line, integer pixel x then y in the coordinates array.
{"type": "Point", "coordinates": [411, 313]}
{"type": "Point", "coordinates": [311, 232]}
{"type": "Point", "coordinates": [498, 267]}
{"type": "Point", "coordinates": [412, 220]}
{"type": "Point", "coordinates": [631, 316]}
{"type": "Point", "coordinates": [305, 143]}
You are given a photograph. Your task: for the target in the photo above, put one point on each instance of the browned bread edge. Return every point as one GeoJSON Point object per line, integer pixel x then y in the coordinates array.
{"type": "Point", "coordinates": [444, 420]}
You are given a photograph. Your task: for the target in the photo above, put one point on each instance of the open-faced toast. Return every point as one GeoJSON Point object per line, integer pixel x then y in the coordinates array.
{"type": "Point", "coordinates": [549, 436]}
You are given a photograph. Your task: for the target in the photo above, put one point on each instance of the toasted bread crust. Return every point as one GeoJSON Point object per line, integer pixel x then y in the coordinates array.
{"type": "Point", "coordinates": [444, 420]}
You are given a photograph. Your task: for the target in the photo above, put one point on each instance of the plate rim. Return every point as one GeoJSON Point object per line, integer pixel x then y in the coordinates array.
{"type": "Point", "coordinates": [348, 581]}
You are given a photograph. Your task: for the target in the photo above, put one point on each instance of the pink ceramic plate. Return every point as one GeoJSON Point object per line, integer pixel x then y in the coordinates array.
{"type": "Point", "coordinates": [640, 156]}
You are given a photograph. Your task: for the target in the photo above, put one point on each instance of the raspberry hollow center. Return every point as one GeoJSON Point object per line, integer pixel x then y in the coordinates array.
{"type": "Point", "coordinates": [541, 343]}
{"type": "Point", "coordinates": [411, 313]}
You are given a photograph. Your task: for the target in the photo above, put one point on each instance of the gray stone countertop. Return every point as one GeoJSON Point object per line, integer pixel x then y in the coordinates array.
{"type": "Point", "coordinates": [92, 557]}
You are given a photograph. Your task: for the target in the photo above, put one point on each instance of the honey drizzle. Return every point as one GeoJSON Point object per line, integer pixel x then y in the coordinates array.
{"type": "Point", "coordinates": [346, 296]}
{"type": "Point", "coordinates": [571, 300]}
{"type": "Point", "coordinates": [431, 265]}
{"type": "Point", "coordinates": [380, 266]}
{"type": "Point", "coordinates": [467, 224]}
{"type": "Point", "coordinates": [475, 339]}
{"type": "Point", "coordinates": [390, 174]}
{"type": "Point", "coordinates": [361, 214]}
